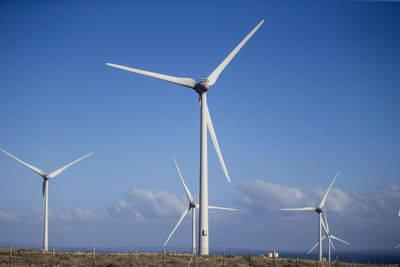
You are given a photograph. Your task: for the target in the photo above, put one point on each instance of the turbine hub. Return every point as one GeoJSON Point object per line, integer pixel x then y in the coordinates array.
{"type": "Point", "coordinates": [318, 210]}
{"type": "Point", "coordinates": [202, 86]}
{"type": "Point", "coordinates": [192, 205]}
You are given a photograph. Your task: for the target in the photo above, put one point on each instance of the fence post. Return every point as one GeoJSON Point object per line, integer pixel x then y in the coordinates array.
{"type": "Point", "coordinates": [249, 256]}
{"type": "Point", "coordinates": [273, 258]}
{"type": "Point", "coordinates": [163, 257]}
{"type": "Point", "coordinates": [10, 255]}
{"type": "Point", "coordinates": [130, 252]}
{"type": "Point", "coordinates": [223, 257]}
{"type": "Point", "coordinates": [297, 259]}
{"type": "Point", "coordinates": [316, 261]}
{"type": "Point", "coordinates": [52, 257]}
{"type": "Point", "coordinates": [94, 257]}
{"type": "Point", "coordinates": [352, 264]}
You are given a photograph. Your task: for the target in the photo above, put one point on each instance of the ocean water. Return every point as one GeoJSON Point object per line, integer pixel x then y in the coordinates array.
{"type": "Point", "coordinates": [367, 256]}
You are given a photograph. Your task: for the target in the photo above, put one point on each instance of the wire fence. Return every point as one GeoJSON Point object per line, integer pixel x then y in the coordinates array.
{"type": "Point", "coordinates": [22, 255]}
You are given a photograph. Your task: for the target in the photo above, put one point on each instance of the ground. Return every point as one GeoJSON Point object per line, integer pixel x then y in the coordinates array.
{"type": "Point", "coordinates": [32, 258]}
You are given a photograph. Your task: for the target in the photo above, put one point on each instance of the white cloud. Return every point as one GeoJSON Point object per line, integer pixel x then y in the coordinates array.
{"type": "Point", "coordinates": [76, 214]}
{"type": "Point", "coordinates": [259, 196]}
{"type": "Point", "coordinates": [10, 216]}
{"type": "Point", "coordinates": [142, 204]}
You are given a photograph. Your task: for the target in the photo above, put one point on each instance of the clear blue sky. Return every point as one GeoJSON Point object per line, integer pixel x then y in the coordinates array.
{"type": "Point", "coordinates": [315, 90]}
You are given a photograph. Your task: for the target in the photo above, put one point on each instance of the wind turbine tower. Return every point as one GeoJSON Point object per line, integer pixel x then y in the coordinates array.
{"type": "Point", "coordinates": [201, 87]}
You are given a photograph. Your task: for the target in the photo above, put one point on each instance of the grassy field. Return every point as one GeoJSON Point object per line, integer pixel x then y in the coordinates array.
{"type": "Point", "coordinates": [26, 258]}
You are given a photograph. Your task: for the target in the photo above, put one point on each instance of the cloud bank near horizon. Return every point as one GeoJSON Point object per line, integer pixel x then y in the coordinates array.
{"type": "Point", "coordinates": [141, 211]}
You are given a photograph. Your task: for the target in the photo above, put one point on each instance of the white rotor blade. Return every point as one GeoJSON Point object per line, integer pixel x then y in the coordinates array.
{"type": "Point", "coordinates": [307, 208]}
{"type": "Point", "coordinates": [315, 245]}
{"type": "Point", "coordinates": [216, 145]}
{"type": "Point", "coordinates": [212, 78]}
{"type": "Point", "coordinates": [57, 172]}
{"type": "Point", "coordinates": [220, 208]}
{"type": "Point", "coordinates": [188, 82]}
{"type": "Point", "coordinates": [326, 221]}
{"type": "Point", "coordinates": [321, 205]}
{"type": "Point", "coordinates": [398, 213]}
{"type": "Point", "coordinates": [33, 168]}
{"type": "Point", "coordinates": [185, 212]}
{"type": "Point", "coordinates": [323, 224]}
{"type": "Point", "coordinates": [184, 185]}
{"type": "Point", "coordinates": [43, 185]}
{"type": "Point", "coordinates": [338, 239]}
{"type": "Point", "coordinates": [331, 243]}
{"type": "Point", "coordinates": [397, 246]}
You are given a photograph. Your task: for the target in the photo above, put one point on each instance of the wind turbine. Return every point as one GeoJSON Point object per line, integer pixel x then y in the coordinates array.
{"type": "Point", "coordinates": [318, 210]}
{"type": "Point", "coordinates": [201, 87]}
{"type": "Point", "coordinates": [191, 206]}
{"type": "Point", "coordinates": [330, 236]}
{"type": "Point", "coordinates": [46, 178]}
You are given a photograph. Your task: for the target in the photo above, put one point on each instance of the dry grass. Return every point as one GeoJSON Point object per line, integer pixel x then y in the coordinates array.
{"type": "Point", "coordinates": [32, 258]}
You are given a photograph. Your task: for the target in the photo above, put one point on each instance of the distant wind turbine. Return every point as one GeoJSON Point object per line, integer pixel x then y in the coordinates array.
{"type": "Point", "coordinates": [46, 178]}
{"type": "Point", "coordinates": [201, 87]}
{"type": "Point", "coordinates": [192, 205]}
{"type": "Point", "coordinates": [330, 236]}
{"type": "Point", "coordinates": [318, 210]}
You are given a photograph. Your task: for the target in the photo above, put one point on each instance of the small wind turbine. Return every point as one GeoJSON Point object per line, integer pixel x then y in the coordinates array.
{"type": "Point", "coordinates": [318, 210]}
{"type": "Point", "coordinates": [192, 205]}
{"type": "Point", "coordinates": [201, 87]}
{"type": "Point", "coordinates": [329, 235]}
{"type": "Point", "coordinates": [46, 178]}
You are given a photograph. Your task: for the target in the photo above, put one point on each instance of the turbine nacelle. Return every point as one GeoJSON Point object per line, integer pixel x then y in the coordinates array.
{"type": "Point", "coordinates": [318, 210]}
{"type": "Point", "coordinates": [202, 86]}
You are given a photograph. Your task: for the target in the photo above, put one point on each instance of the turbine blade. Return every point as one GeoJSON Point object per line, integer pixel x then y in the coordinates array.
{"type": "Point", "coordinates": [43, 185]}
{"type": "Point", "coordinates": [216, 145]}
{"type": "Point", "coordinates": [184, 185]}
{"type": "Point", "coordinates": [398, 213]}
{"type": "Point", "coordinates": [185, 212]}
{"type": "Point", "coordinates": [57, 172]}
{"type": "Point", "coordinates": [33, 168]}
{"type": "Point", "coordinates": [397, 246]}
{"type": "Point", "coordinates": [331, 243]}
{"type": "Point", "coordinates": [326, 221]}
{"type": "Point", "coordinates": [316, 244]}
{"type": "Point", "coordinates": [321, 205]}
{"type": "Point", "coordinates": [221, 208]}
{"type": "Point", "coordinates": [323, 224]}
{"type": "Point", "coordinates": [338, 239]}
{"type": "Point", "coordinates": [212, 78]}
{"type": "Point", "coordinates": [188, 82]}
{"type": "Point", "coordinates": [307, 208]}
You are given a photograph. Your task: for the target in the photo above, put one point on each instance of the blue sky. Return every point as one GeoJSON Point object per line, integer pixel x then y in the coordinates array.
{"type": "Point", "coordinates": [315, 90]}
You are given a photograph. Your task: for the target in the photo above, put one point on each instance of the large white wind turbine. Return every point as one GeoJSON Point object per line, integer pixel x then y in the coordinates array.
{"type": "Point", "coordinates": [330, 236]}
{"type": "Point", "coordinates": [46, 178]}
{"type": "Point", "coordinates": [201, 87]}
{"type": "Point", "coordinates": [192, 205]}
{"type": "Point", "coordinates": [318, 210]}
